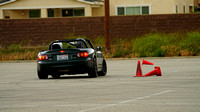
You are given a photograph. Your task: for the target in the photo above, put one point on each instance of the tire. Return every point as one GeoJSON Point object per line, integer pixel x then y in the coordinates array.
{"type": "Point", "coordinates": [93, 71]}
{"type": "Point", "coordinates": [104, 69]}
{"type": "Point", "coordinates": [56, 76]}
{"type": "Point", "coordinates": [42, 75]}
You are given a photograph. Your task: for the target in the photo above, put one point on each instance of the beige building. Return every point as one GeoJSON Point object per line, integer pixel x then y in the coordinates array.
{"type": "Point", "coordinates": [139, 7]}
{"type": "Point", "coordinates": [17, 9]}
{"type": "Point", "coordinates": [23, 9]}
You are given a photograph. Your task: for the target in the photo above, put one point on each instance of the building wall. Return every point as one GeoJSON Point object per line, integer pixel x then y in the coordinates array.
{"type": "Point", "coordinates": [157, 6]}
{"type": "Point", "coordinates": [18, 14]}
{"type": "Point", "coordinates": [42, 31]}
{"type": "Point", "coordinates": [88, 10]}
{"type": "Point", "coordinates": [57, 12]}
{"type": "Point", "coordinates": [181, 3]}
{"type": "Point", "coordinates": [1, 14]}
{"type": "Point", "coordinates": [98, 11]}
{"type": "Point", "coordinates": [43, 5]}
{"type": "Point", "coordinates": [163, 7]}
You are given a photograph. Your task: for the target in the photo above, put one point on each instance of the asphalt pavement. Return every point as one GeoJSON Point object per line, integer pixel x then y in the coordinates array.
{"type": "Point", "coordinates": [178, 90]}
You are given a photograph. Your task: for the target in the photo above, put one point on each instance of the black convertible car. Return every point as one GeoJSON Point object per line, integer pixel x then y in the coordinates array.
{"type": "Point", "coordinates": [73, 56]}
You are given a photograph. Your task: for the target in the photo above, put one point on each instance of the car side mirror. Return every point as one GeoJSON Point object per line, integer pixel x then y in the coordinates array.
{"type": "Point", "coordinates": [99, 48]}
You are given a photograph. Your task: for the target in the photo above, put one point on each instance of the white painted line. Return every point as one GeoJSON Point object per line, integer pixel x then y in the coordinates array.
{"type": "Point", "coordinates": [127, 101]}
{"type": "Point", "coordinates": [178, 104]}
{"type": "Point", "coordinates": [77, 105]}
{"type": "Point", "coordinates": [144, 97]}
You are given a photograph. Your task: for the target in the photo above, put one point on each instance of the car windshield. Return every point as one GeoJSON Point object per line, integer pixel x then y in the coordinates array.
{"type": "Point", "coordinates": [68, 44]}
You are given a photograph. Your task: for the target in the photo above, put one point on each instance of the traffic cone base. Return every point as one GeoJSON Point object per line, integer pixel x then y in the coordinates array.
{"type": "Point", "coordinates": [158, 71]}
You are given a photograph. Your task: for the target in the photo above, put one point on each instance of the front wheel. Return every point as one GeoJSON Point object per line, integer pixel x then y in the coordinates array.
{"type": "Point", "coordinates": [93, 71]}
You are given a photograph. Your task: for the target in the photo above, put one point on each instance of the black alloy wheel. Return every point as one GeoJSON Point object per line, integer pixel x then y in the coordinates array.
{"type": "Point", "coordinates": [93, 71]}
{"type": "Point", "coordinates": [104, 69]}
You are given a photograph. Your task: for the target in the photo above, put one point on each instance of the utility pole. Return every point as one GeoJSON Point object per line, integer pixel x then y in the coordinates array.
{"type": "Point", "coordinates": [107, 26]}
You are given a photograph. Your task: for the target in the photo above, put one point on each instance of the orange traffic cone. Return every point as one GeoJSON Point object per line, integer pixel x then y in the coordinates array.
{"type": "Point", "coordinates": [157, 72]}
{"type": "Point", "coordinates": [146, 62]}
{"type": "Point", "coordinates": [139, 70]}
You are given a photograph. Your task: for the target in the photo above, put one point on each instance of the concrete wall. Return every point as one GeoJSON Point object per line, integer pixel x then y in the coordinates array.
{"type": "Point", "coordinates": [42, 31]}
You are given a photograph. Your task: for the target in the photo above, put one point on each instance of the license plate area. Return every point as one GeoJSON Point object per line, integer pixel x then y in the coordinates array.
{"type": "Point", "coordinates": [62, 57]}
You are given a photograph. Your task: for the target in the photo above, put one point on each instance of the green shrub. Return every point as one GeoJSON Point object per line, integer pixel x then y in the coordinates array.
{"type": "Point", "coordinates": [15, 48]}
{"type": "Point", "coordinates": [159, 53]}
{"type": "Point", "coordinates": [191, 43]}
{"type": "Point", "coordinates": [121, 48]}
{"type": "Point", "coordinates": [99, 41]}
{"type": "Point", "coordinates": [150, 45]}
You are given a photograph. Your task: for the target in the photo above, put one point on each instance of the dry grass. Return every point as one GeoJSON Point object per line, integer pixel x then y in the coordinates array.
{"type": "Point", "coordinates": [15, 52]}
{"type": "Point", "coordinates": [171, 50]}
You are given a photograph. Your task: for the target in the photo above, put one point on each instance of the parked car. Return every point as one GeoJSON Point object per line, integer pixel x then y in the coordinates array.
{"type": "Point", "coordinates": [72, 56]}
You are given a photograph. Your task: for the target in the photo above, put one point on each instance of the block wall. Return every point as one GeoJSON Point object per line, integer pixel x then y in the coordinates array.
{"type": "Point", "coordinates": [42, 31]}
